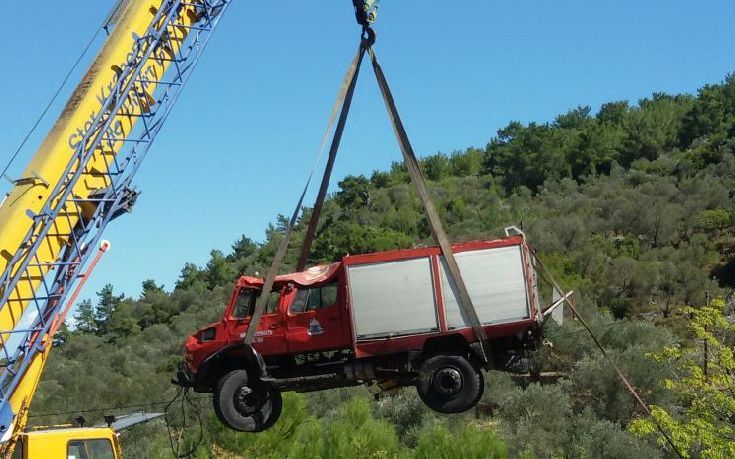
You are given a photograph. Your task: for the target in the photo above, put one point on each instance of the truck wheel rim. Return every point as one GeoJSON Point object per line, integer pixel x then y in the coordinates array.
{"type": "Point", "coordinates": [447, 381]}
{"type": "Point", "coordinates": [247, 401]}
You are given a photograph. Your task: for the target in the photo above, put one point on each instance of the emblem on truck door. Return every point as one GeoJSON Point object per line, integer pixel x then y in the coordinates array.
{"type": "Point", "coordinates": [315, 328]}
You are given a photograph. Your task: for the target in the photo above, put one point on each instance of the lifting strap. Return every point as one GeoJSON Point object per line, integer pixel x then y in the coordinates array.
{"type": "Point", "coordinates": [437, 229]}
{"type": "Point", "coordinates": [344, 98]}
{"type": "Point", "coordinates": [336, 139]}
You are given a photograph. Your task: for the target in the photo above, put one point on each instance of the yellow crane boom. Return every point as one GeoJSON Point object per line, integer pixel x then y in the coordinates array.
{"type": "Point", "coordinates": [80, 178]}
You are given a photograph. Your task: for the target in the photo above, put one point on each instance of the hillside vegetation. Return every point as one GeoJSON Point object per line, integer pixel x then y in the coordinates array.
{"type": "Point", "coordinates": [632, 207]}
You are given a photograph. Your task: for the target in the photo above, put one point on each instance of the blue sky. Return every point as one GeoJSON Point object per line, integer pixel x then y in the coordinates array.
{"type": "Point", "coordinates": [237, 147]}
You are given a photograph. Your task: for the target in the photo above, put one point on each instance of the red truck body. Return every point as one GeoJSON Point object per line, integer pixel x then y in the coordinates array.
{"type": "Point", "coordinates": [376, 317]}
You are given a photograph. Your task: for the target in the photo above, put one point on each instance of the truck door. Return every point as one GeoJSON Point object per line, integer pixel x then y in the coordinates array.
{"type": "Point", "coordinates": [270, 337]}
{"type": "Point", "coordinates": [315, 320]}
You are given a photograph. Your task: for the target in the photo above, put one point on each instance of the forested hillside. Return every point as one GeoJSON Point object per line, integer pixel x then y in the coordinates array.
{"type": "Point", "coordinates": [632, 207]}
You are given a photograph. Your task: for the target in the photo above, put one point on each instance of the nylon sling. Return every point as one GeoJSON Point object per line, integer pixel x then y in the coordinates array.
{"type": "Point", "coordinates": [336, 139]}
{"type": "Point", "coordinates": [437, 228]}
{"type": "Point", "coordinates": [344, 98]}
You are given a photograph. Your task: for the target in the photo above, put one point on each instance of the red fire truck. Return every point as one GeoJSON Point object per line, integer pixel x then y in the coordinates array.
{"type": "Point", "coordinates": [389, 318]}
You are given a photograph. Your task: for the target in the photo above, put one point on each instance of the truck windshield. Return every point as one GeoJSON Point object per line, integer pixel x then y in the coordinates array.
{"type": "Point", "coordinates": [90, 449]}
{"type": "Point", "coordinates": [246, 298]}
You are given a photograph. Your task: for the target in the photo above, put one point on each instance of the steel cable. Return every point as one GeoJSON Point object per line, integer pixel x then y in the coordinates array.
{"type": "Point", "coordinates": [53, 98]}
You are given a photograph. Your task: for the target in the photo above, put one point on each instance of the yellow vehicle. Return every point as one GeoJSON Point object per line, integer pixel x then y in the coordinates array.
{"type": "Point", "coordinates": [64, 441]}
{"type": "Point", "coordinates": [70, 442]}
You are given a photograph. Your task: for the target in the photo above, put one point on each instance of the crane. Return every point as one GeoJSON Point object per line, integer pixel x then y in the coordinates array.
{"type": "Point", "coordinates": [80, 178]}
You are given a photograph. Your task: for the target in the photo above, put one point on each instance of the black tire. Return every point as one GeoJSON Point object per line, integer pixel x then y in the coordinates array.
{"type": "Point", "coordinates": [449, 383]}
{"type": "Point", "coordinates": [243, 407]}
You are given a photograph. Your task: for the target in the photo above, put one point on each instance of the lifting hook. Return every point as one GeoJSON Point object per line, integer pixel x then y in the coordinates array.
{"type": "Point", "coordinates": [368, 36]}
{"type": "Point", "coordinates": [366, 12]}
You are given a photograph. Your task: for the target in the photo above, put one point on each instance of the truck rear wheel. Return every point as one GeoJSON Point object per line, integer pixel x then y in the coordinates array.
{"type": "Point", "coordinates": [243, 407]}
{"type": "Point", "coordinates": [449, 383]}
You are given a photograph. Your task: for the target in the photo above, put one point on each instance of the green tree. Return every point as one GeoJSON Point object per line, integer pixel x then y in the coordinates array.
{"type": "Point", "coordinates": [706, 425]}
{"type": "Point", "coordinates": [714, 220]}
{"type": "Point", "coordinates": [84, 318]}
{"type": "Point", "coordinates": [613, 112]}
{"type": "Point", "coordinates": [107, 301]}
{"type": "Point", "coordinates": [466, 163]}
{"type": "Point", "coordinates": [710, 117]}
{"type": "Point", "coordinates": [356, 433]}
{"type": "Point", "coordinates": [351, 238]}
{"type": "Point", "coordinates": [61, 336]}
{"type": "Point", "coordinates": [577, 118]}
{"type": "Point", "coordinates": [653, 127]}
{"type": "Point", "coordinates": [436, 167]}
{"type": "Point", "coordinates": [353, 192]}
{"type": "Point", "coordinates": [380, 179]}
{"type": "Point", "coordinates": [190, 276]}
{"type": "Point", "coordinates": [122, 322]}
{"type": "Point", "coordinates": [150, 287]}
{"type": "Point", "coordinates": [468, 442]}
{"type": "Point", "coordinates": [219, 271]}
{"type": "Point", "coordinates": [243, 248]}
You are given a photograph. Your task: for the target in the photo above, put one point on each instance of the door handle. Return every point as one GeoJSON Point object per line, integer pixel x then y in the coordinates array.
{"type": "Point", "coordinates": [274, 326]}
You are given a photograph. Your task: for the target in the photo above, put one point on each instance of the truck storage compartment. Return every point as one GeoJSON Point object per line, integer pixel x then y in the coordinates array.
{"type": "Point", "coordinates": [400, 296]}
{"type": "Point", "coordinates": [393, 298]}
{"type": "Point", "coordinates": [496, 282]}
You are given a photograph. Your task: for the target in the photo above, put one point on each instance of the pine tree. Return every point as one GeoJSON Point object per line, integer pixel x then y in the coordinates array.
{"type": "Point", "coordinates": [107, 301]}
{"type": "Point", "coordinates": [85, 318]}
{"type": "Point", "coordinates": [151, 288]}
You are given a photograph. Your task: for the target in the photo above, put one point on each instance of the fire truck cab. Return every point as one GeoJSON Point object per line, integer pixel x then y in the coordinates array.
{"type": "Point", "coordinates": [302, 313]}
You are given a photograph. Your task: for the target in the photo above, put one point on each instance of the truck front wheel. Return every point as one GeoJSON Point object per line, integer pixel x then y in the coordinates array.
{"type": "Point", "coordinates": [243, 407]}
{"type": "Point", "coordinates": [449, 383]}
